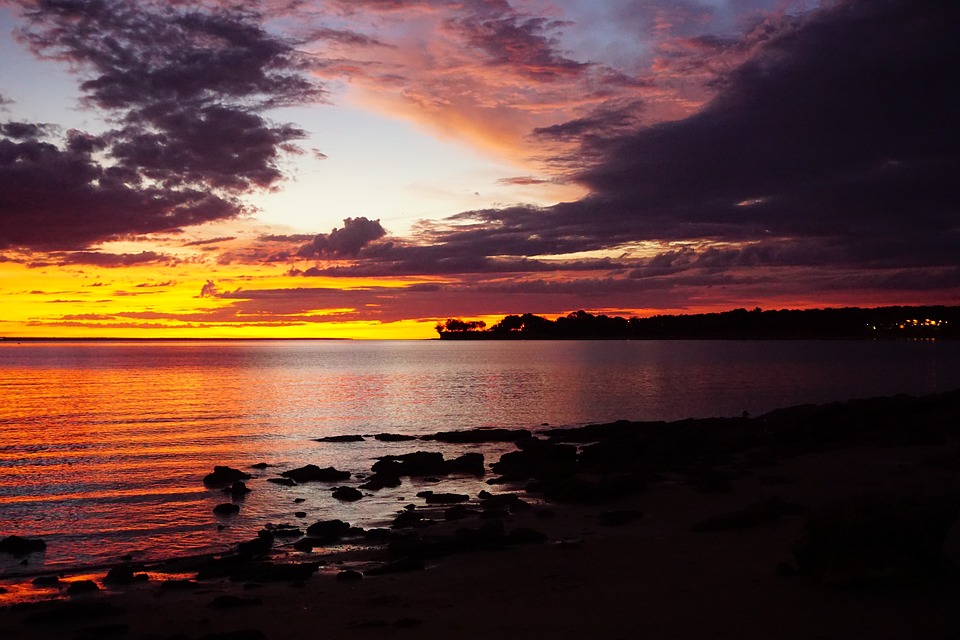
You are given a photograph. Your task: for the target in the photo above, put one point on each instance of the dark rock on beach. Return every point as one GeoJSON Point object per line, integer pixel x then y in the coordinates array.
{"type": "Point", "coordinates": [237, 490]}
{"type": "Point", "coordinates": [474, 436]}
{"type": "Point", "coordinates": [257, 546]}
{"type": "Point", "coordinates": [313, 473]}
{"type": "Point", "coordinates": [393, 437]}
{"type": "Point", "coordinates": [381, 481]}
{"type": "Point", "coordinates": [345, 438]}
{"type": "Point", "coordinates": [82, 586]}
{"type": "Point", "coordinates": [423, 464]}
{"type": "Point", "coordinates": [418, 464]}
{"type": "Point", "coordinates": [224, 475]}
{"type": "Point", "coordinates": [46, 582]}
{"type": "Point", "coordinates": [19, 547]}
{"type": "Point", "coordinates": [347, 494]}
{"type": "Point", "coordinates": [226, 509]}
{"type": "Point", "coordinates": [124, 574]}
{"type": "Point", "coordinates": [328, 530]}
{"type": "Point", "coordinates": [507, 501]}
{"type": "Point", "coordinates": [442, 498]}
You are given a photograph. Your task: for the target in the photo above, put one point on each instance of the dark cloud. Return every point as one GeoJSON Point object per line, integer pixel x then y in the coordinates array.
{"type": "Point", "coordinates": [343, 243]}
{"type": "Point", "coordinates": [24, 130]}
{"type": "Point", "coordinates": [112, 259]}
{"type": "Point", "coordinates": [840, 130]}
{"type": "Point", "coordinates": [187, 87]}
{"type": "Point", "coordinates": [199, 243]}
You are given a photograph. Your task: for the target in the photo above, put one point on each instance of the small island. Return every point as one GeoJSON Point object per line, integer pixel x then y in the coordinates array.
{"type": "Point", "coordinates": [926, 322]}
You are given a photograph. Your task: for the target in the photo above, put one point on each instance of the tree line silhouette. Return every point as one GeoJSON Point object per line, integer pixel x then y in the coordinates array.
{"type": "Point", "coordinates": [848, 322]}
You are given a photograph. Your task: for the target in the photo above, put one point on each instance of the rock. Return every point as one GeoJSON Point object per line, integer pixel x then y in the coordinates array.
{"type": "Point", "coordinates": [286, 482]}
{"type": "Point", "coordinates": [237, 490]}
{"type": "Point", "coordinates": [469, 463]}
{"type": "Point", "coordinates": [482, 434]}
{"type": "Point", "coordinates": [307, 545]}
{"type": "Point", "coordinates": [82, 586]}
{"type": "Point", "coordinates": [377, 535]}
{"type": "Point", "coordinates": [508, 501]}
{"type": "Point", "coordinates": [457, 512]}
{"type": "Point", "coordinates": [442, 498]}
{"type": "Point", "coordinates": [19, 547]}
{"type": "Point", "coordinates": [260, 465]}
{"type": "Point", "coordinates": [347, 494]}
{"type": "Point", "coordinates": [381, 481]}
{"type": "Point", "coordinates": [417, 464]}
{"type": "Point", "coordinates": [224, 475]}
{"type": "Point", "coordinates": [349, 576]}
{"type": "Point", "coordinates": [124, 574]}
{"type": "Point", "coordinates": [340, 439]}
{"type": "Point", "coordinates": [393, 437]}
{"type": "Point", "coordinates": [328, 530]}
{"type": "Point", "coordinates": [257, 546]}
{"type": "Point", "coordinates": [618, 517]}
{"type": "Point", "coordinates": [313, 473]}
{"type": "Point", "coordinates": [179, 585]}
{"type": "Point", "coordinates": [226, 509]}
{"type": "Point", "coordinates": [407, 519]}
{"type": "Point", "coordinates": [537, 458]}
{"type": "Point", "coordinates": [46, 582]}
{"type": "Point", "coordinates": [281, 530]}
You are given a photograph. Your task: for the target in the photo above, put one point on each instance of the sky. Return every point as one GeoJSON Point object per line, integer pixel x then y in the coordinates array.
{"type": "Point", "coordinates": [367, 168]}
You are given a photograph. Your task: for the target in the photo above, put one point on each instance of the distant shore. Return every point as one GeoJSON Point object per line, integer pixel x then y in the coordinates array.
{"type": "Point", "coordinates": [833, 521]}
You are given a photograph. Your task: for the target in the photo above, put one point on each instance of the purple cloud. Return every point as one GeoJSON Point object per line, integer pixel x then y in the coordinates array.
{"type": "Point", "coordinates": [343, 243]}
{"type": "Point", "coordinates": [188, 87]}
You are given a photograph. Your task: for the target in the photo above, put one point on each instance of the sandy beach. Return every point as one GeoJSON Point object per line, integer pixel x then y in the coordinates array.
{"type": "Point", "coordinates": [812, 522]}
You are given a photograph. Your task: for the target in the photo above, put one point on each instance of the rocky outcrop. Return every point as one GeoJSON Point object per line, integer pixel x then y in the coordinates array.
{"type": "Point", "coordinates": [313, 473]}
{"type": "Point", "coordinates": [223, 476]}
{"type": "Point", "coordinates": [19, 547]}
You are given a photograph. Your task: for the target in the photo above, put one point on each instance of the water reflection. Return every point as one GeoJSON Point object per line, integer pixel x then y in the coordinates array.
{"type": "Point", "coordinates": [103, 445]}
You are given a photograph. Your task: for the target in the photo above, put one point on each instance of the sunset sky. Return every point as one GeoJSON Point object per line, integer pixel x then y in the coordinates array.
{"type": "Point", "coordinates": [365, 168]}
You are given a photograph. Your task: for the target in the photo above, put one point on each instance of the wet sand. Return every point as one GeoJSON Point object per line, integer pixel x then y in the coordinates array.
{"type": "Point", "coordinates": [666, 567]}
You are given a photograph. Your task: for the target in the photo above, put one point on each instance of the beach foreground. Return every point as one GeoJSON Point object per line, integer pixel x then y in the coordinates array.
{"type": "Point", "coordinates": [812, 522]}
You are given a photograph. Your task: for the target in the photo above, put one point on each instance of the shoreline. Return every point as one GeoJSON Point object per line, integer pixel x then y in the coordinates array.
{"type": "Point", "coordinates": [682, 529]}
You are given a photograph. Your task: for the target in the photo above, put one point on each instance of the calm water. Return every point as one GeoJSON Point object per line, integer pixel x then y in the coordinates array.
{"type": "Point", "coordinates": [103, 446]}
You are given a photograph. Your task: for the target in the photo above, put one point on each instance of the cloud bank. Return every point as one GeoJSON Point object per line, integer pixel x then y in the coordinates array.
{"type": "Point", "coordinates": [185, 89]}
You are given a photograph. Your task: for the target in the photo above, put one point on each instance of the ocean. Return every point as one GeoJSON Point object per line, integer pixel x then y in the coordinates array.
{"type": "Point", "coordinates": [103, 445]}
